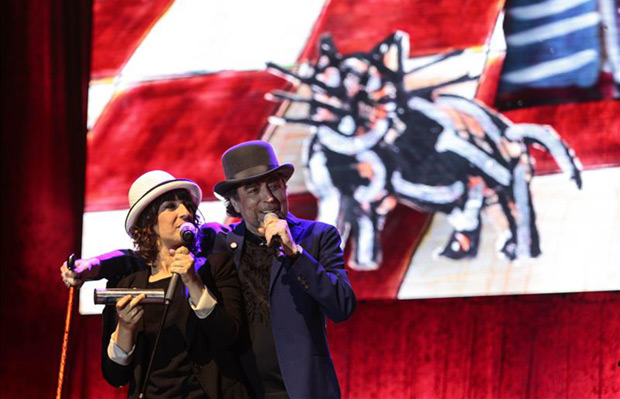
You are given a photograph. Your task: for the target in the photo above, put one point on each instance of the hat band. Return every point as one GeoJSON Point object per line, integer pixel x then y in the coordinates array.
{"type": "Point", "coordinates": [254, 171]}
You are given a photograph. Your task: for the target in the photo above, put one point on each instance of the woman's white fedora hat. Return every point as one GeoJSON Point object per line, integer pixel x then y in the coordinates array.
{"type": "Point", "coordinates": [151, 185]}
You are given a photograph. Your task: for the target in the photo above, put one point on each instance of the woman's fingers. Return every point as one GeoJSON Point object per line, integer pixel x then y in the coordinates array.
{"type": "Point", "coordinates": [136, 314]}
{"type": "Point", "coordinates": [182, 251]}
{"type": "Point", "coordinates": [129, 300]}
{"type": "Point", "coordinates": [129, 310]}
{"type": "Point", "coordinates": [134, 302]}
{"type": "Point", "coordinates": [182, 262]}
{"type": "Point", "coordinates": [121, 303]}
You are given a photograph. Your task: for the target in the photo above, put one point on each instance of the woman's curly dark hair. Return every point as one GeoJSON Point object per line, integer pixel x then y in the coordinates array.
{"type": "Point", "coordinates": [143, 233]}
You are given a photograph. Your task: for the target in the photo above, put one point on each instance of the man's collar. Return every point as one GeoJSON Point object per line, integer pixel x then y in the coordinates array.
{"type": "Point", "coordinates": [256, 239]}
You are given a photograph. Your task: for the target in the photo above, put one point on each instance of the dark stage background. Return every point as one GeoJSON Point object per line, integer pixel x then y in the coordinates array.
{"type": "Point", "coordinates": [541, 346]}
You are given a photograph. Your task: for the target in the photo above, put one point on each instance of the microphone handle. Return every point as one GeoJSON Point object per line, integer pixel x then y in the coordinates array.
{"type": "Point", "coordinates": [71, 262]}
{"type": "Point", "coordinates": [276, 242]}
{"type": "Point", "coordinates": [171, 287]}
{"type": "Point", "coordinates": [276, 245]}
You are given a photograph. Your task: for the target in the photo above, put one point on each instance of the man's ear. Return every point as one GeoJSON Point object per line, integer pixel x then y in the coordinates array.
{"type": "Point", "coordinates": [235, 203]}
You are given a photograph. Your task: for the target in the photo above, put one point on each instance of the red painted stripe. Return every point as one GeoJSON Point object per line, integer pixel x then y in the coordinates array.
{"type": "Point", "coordinates": [357, 25]}
{"type": "Point", "coordinates": [591, 129]}
{"type": "Point", "coordinates": [114, 19]}
{"type": "Point", "coordinates": [182, 126]}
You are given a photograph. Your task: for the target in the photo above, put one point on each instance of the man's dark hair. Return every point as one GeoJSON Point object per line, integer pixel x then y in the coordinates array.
{"type": "Point", "coordinates": [230, 209]}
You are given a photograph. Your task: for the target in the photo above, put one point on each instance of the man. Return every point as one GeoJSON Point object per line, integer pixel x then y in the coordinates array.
{"type": "Point", "coordinates": [292, 277]}
{"type": "Point", "coordinates": [291, 273]}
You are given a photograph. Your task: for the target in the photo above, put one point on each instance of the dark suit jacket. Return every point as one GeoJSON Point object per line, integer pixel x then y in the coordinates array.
{"type": "Point", "coordinates": [302, 294]}
{"type": "Point", "coordinates": [211, 341]}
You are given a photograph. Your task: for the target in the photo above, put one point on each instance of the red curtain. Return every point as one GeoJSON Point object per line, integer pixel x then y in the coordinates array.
{"type": "Point", "coordinates": [45, 52]}
{"type": "Point", "coordinates": [525, 347]}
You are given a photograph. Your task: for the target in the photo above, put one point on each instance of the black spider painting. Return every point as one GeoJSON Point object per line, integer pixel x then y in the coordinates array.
{"type": "Point", "coordinates": [375, 142]}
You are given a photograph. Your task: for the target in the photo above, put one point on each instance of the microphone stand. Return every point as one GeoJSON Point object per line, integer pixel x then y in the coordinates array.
{"type": "Point", "coordinates": [167, 300]}
{"type": "Point", "coordinates": [188, 237]}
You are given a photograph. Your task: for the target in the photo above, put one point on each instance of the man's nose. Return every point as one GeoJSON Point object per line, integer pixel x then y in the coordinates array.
{"type": "Point", "coordinates": [266, 194]}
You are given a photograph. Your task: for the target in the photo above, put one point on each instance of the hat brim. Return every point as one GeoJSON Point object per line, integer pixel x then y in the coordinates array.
{"type": "Point", "coordinates": [170, 185]}
{"type": "Point", "coordinates": [223, 189]}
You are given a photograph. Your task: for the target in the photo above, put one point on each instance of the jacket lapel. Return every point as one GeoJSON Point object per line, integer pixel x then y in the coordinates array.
{"type": "Point", "coordinates": [276, 266]}
{"type": "Point", "coordinates": [234, 243]}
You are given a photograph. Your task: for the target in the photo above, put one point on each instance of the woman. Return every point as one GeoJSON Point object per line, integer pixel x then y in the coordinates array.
{"type": "Point", "coordinates": [196, 353]}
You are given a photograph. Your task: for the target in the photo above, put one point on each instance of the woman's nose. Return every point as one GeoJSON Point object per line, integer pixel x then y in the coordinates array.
{"type": "Point", "coordinates": [183, 212]}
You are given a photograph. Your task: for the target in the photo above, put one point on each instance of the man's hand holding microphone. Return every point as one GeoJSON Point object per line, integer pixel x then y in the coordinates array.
{"type": "Point", "coordinates": [279, 236]}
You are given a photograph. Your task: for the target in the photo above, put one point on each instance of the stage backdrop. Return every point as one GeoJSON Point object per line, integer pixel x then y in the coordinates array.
{"type": "Point", "coordinates": [461, 150]}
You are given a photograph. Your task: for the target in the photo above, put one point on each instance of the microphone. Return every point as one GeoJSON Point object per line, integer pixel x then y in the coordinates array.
{"type": "Point", "coordinates": [188, 233]}
{"type": "Point", "coordinates": [276, 241]}
{"type": "Point", "coordinates": [172, 285]}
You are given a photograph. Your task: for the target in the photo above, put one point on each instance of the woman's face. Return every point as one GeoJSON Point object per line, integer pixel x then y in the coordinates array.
{"type": "Point", "coordinates": [172, 214]}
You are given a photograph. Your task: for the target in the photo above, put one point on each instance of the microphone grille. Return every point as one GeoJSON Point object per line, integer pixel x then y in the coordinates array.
{"type": "Point", "coordinates": [188, 232]}
{"type": "Point", "coordinates": [270, 217]}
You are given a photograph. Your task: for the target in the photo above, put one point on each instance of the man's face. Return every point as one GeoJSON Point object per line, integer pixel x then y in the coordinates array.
{"type": "Point", "coordinates": [253, 201]}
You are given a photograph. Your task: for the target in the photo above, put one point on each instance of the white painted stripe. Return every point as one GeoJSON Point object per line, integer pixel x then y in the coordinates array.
{"type": "Point", "coordinates": [471, 108]}
{"type": "Point", "coordinates": [352, 145]}
{"type": "Point", "coordinates": [544, 9]}
{"type": "Point", "coordinates": [554, 29]}
{"type": "Point", "coordinates": [99, 95]}
{"type": "Point", "coordinates": [497, 42]}
{"type": "Point", "coordinates": [426, 193]}
{"type": "Point", "coordinates": [198, 36]}
{"type": "Point", "coordinates": [550, 68]}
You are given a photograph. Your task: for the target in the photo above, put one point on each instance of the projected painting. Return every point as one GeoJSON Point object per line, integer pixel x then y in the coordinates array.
{"type": "Point", "coordinates": [460, 148]}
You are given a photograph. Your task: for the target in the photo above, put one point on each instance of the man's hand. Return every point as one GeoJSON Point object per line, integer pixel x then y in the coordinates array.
{"type": "Point", "coordinates": [274, 227]}
{"type": "Point", "coordinates": [84, 270]}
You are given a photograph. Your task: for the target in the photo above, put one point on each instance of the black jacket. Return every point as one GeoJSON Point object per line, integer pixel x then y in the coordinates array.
{"type": "Point", "coordinates": [212, 342]}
